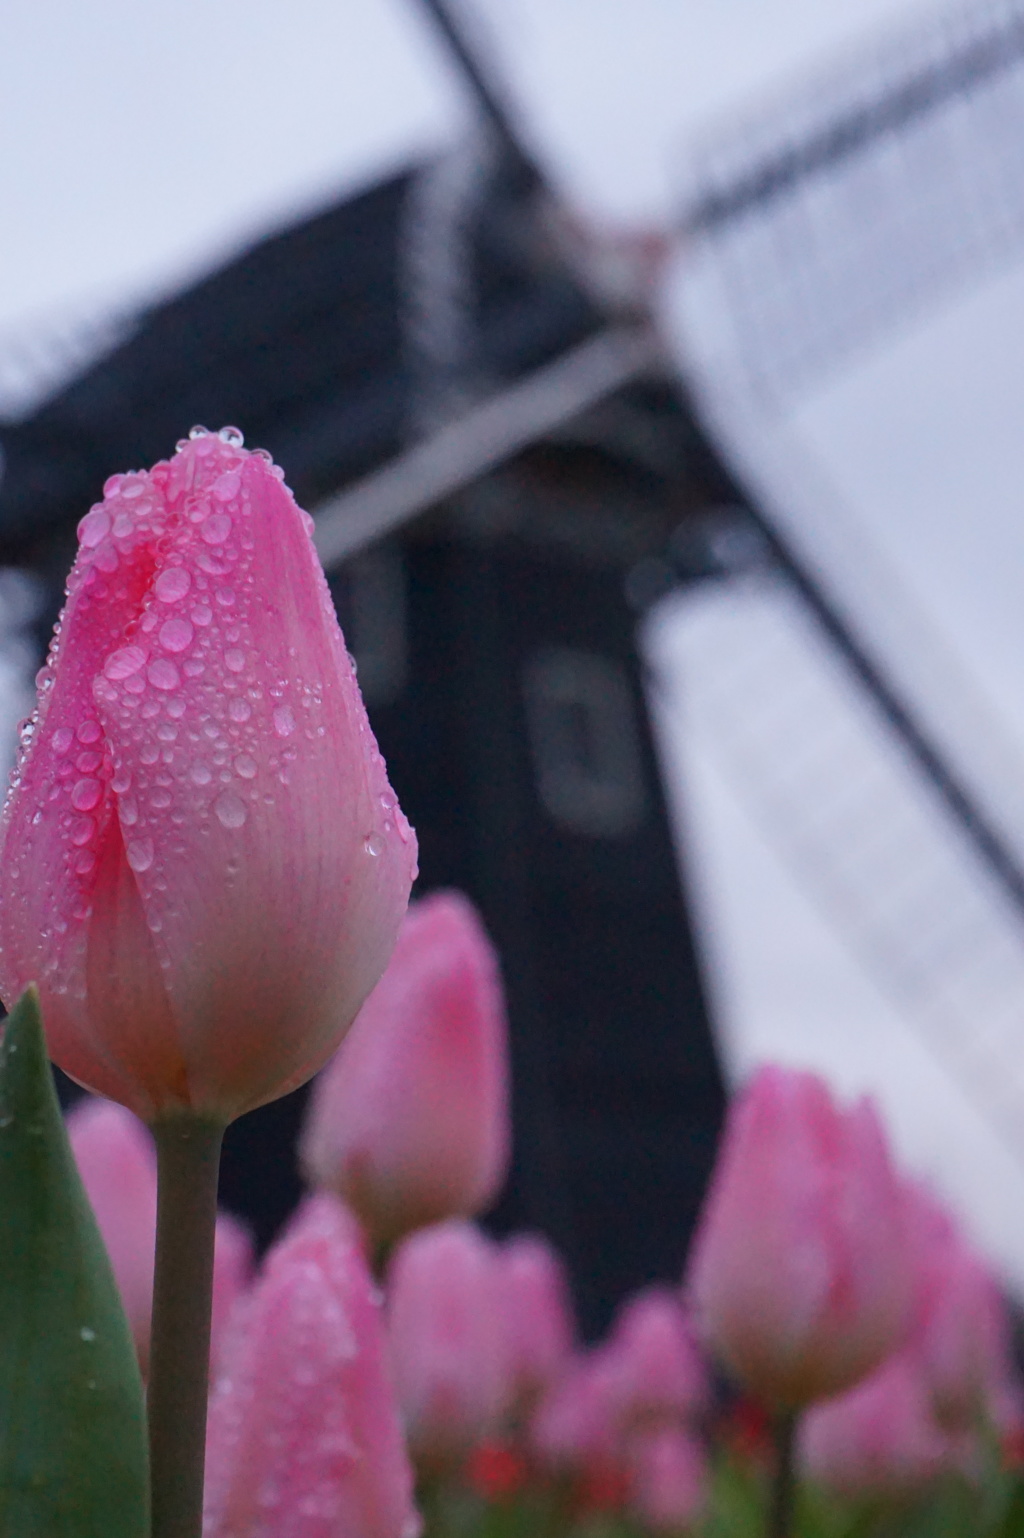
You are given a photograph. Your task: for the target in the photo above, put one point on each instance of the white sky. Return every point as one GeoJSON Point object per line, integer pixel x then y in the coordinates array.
{"type": "Point", "coordinates": [138, 144]}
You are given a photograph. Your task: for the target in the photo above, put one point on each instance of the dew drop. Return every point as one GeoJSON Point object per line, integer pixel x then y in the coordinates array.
{"type": "Point", "coordinates": [86, 1333]}
{"type": "Point", "coordinates": [374, 844]}
{"type": "Point", "coordinates": [202, 614]}
{"type": "Point", "coordinates": [234, 659]}
{"type": "Point", "coordinates": [62, 739]}
{"type": "Point", "coordinates": [88, 762]}
{"type": "Point", "coordinates": [124, 523]}
{"type": "Point", "coordinates": [82, 830]}
{"type": "Point", "coordinates": [160, 800]}
{"type": "Point", "coordinates": [163, 674]}
{"type": "Point", "coordinates": [246, 767]}
{"type": "Point", "coordinates": [139, 854]}
{"type": "Point", "coordinates": [121, 781]}
{"type": "Point", "coordinates": [232, 435]}
{"type": "Point", "coordinates": [198, 432]}
{"type": "Point", "coordinates": [202, 774]}
{"type": "Point", "coordinates": [86, 795]}
{"type": "Point", "coordinates": [225, 597]}
{"type": "Point", "coordinates": [84, 864]}
{"type": "Point", "coordinates": [94, 528]}
{"type": "Point", "coordinates": [230, 809]}
{"type": "Point", "coordinates": [112, 485]}
{"type": "Point", "coordinates": [89, 732]}
{"type": "Point", "coordinates": [176, 634]}
{"type": "Point", "coordinates": [193, 668]}
{"type": "Point", "coordinates": [226, 486]}
{"type": "Point", "coordinates": [125, 662]}
{"type": "Point", "coordinates": [284, 721]}
{"type": "Point", "coordinates": [239, 710]}
{"type": "Point", "coordinates": [136, 684]}
{"type": "Point", "coordinates": [128, 811]}
{"type": "Point", "coordinates": [172, 584]}
{"type": "Point", "coordinates": [216, 528]}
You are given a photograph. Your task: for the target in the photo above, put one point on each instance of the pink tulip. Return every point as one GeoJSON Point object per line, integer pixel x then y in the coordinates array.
{"type": "Point", "coordinates": [536, 1313]}
{"type": "Point", "coordinates": [447, 1342]}
{"type": "Point", "coordinates": [117, 1162]}
{"type": "Point", "coordinates": [201, 862]}
{"type": "Point", "coordinates": [669, 1478]}
{"type": "Point", "coordinates": [658, 1374]}
{"type": "Point", "coordinates": [960, 1330]}
{"type": "Point", "coordinates": [303, 1438]}
{"type": "Point", "coordinates": [576, 1430]}
{"type": "Point", "coordinates": [880, 1438]}
{"type": "Point", "coordinates": [410, 1123]}
{"type": "Point", "coordinates": [232, 1273]}
{"type": "Point", "coordinates": [799, 1270]}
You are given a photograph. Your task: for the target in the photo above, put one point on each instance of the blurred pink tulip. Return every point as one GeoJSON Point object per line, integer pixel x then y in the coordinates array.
{"type": "Point", "coordinates": [799, 1270]}
{"type": "Point", "coordinates": [202, 864]}
{"type": "Point", "coordinates": [232, 1273]}
{"type": "Point", "coordinates": [446, 1339]}
{"type": "Point", "coordinates": [410, 1122]}
{"type": "Point", "coordinates": [880, 1438]}
{"type": "Point", "coordinates": [303, 1438]}
{"type": "Point", "coordinates": [668, 1486]}
{"type": "Point", "coordinates": [658, 1373]}
{"type": "Point", "coordinates": [576, 1430]}
{"type": "Point", "coordinates": [117, 1162]}
{"type": "Point", "coordinates": [536, 1313]}
{"type": "Point", "coordinates": [960, 1329]}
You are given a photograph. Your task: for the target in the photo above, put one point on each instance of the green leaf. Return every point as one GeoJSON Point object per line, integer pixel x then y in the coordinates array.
{"type": "Point", "coordinates": [72, 1420]}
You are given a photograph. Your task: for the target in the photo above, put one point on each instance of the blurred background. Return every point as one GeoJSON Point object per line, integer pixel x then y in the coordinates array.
{"type": "Point", "coordinates": [654, 372]}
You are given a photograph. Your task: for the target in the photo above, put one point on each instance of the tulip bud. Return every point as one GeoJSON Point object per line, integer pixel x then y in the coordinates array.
{"type": "Point", "coordinates": [536, 1313]}
{"type": "Point", "coordinates": [959, 1330]}
{"type": "Point", "coordinates": [669, 1478]}
{"type": "Point", "coordinates": [799, 1270]}
{"type": "Point", "coordinates": [409, 1124]}
{"type": "Point", "coordinates": [232, 1272]}
{"type": "Point", "coordinates": [117, 1163]}
{"type": "Point", "coordinates": [446, 1339]}
{"type": "Point", "coordinates": [201, 862]}
{"type": "Point", "coordinates": [576, 1430]}
{"type": "Point", "coordinates": [880, 1438]}
{"type": "Point", "coordinates": [303, 1439]}
{"type": "Point", "coordinates": [657, 1371]}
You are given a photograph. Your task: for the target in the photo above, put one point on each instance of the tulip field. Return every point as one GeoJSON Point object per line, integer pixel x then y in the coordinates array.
{"type": "Point", "coordinates": [204, 901]}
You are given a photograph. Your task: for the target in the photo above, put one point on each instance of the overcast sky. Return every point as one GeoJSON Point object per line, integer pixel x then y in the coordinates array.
{"type": "Point", "coordinates": [139, 144]}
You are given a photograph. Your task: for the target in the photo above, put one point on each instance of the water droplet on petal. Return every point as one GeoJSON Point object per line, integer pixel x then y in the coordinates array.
{"type": "Point", "coordinates": [176, 634]}
{"type": "Point", "coordinates": [124, 662]}
{"type": "Point", "coordinates": [246, 767]}
{"type": "Point", "coordinates": [139, 854]}
{"type": "Point", "coordinates": [86, 795]}
{"type": "Point", "coordinates": [163, 674]}
{"type": "Point", "coordinates": [121, 782]}
{"type": "Point", "coordinates": [202, 614]}
{"type": "Point", "coordinates": [230, 809]}
{"type": "Point", "coordinates": [284, 721]}
{"type": "Point", "coordinates": [62, 739]}
{"type": "Point", "coordinates": [198, 432]}
{"type": "Point", "coordinates": [82, 830]}
{"type": "Point", "coordinates": [217, 528]}
{"type": "Point", "coordinates": [201, 774]}
{"type": "Point", "coordinates": [85, 862]}
{"type": "Point", "coordinates": [172, 584]}
{"type": "Point", "coordinates": [226, 487]}
{"type": "Point", "coordinates": [239, 710]}
{"type": "Point", "coordinates": [89, 732]}
{"type": "Point", "coordinates": [374, 844]}
{"type": "Point", "coordinates": [128, 811]}
{"type": "Point", "coordinates": [112, 485]}
{"type": "Point", "coordinates": [93, 528]}
{"type": "Point", "coordinates": [89, 761]}
{"type": "Point", "coordinates": [234, 659]}
{"type": "Point", "coordinates": [232, 435]}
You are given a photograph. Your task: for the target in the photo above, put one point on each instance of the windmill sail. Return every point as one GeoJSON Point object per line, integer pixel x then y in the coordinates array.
{"type": "Point", "coordinates": [853, 730]}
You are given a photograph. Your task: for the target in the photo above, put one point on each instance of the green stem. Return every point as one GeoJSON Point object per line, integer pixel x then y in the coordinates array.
{"type": "Point", "coordinates": [782, 1507]}
{"type": "Point", "coordinates": [188, 1160]}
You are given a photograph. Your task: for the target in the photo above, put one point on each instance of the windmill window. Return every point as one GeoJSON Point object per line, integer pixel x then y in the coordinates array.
{"type": "Point", "coordinates": [583, 739]}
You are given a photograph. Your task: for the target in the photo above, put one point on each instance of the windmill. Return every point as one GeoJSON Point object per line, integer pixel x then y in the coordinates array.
{"type": "Point", "coordinates": [506, 469]}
